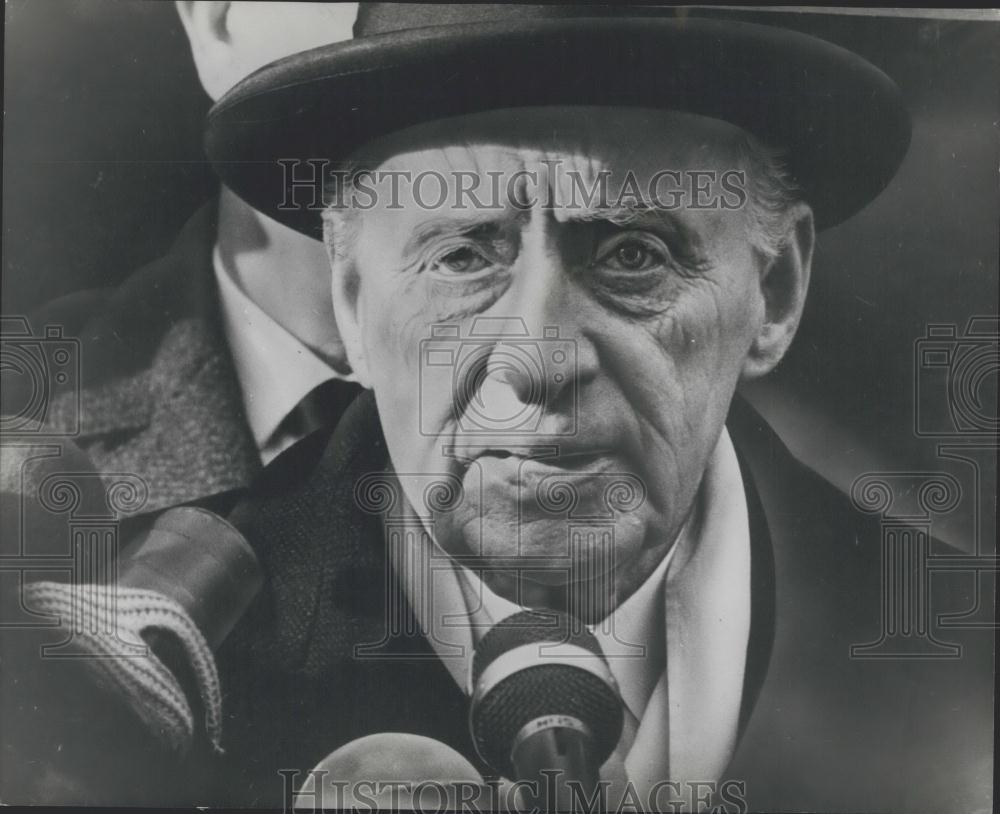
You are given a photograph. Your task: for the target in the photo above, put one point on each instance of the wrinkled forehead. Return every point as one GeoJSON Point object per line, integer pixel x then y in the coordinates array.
{"type": "Point", "coordinates": [584, 139]}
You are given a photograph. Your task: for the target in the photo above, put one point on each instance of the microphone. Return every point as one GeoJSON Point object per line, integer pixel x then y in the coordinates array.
{"type": "Point", "coordinates": [390, 771]}
{"type": "Point", "coordinates": [199, 560]}
{"type": "Point", "coordinates": [545, 707]}
{"type": "Point", "coordinates": [181, 587]}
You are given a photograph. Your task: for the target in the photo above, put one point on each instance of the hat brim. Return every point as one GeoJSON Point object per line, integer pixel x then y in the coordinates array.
{"type": "Point", "coordinates": [839, 122]}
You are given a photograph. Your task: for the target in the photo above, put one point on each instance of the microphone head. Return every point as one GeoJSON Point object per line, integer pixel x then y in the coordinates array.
{"type": "Point", "coordinates": [535, 666]}
{"type": "Point", "coordinates": [391, 769]}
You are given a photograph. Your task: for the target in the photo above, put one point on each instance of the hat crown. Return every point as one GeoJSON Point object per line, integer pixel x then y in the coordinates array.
{"type": "Point", "coordinates": [839, 123]}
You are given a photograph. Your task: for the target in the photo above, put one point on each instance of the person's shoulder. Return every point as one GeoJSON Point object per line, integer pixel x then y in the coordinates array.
{"type": "Point", "coordinates": [824, 527]}
{"type": "Point", "coordinates": [69, 313]}
{"type": "Point", "coordinates": [154, 294]}
{"type": "Point", "coordinates": [107, 337]}
{"type": "Point", "coordinates": [884, 632]}
{"type": "Point", "coordinates": [788, 488]}
{"type": "Point", "coordinates": [118, 328]}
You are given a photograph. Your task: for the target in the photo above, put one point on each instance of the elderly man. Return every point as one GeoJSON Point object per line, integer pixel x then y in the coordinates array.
{"type": "Point", "coordinates": [560, 238]}
{"type": "Point", "coordinates": [558, 244]}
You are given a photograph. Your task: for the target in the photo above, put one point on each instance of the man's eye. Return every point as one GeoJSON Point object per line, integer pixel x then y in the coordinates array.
{"type": "Point", "coordinates": [463, 260]}
{"type": "Point", "coordinates": [633, 253]}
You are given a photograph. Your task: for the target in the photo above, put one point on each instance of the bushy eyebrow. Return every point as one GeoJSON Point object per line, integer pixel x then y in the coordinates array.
{"type": "Point", "coordinates": [625, 215]}
{"type": "Point", "coordinates": [486, 226]}
{"type": "Point", "coordinates": [685, 243]}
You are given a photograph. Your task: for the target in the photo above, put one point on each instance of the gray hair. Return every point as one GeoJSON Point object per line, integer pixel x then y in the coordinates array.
{"type": "Point", "coordinates": [771, 194]}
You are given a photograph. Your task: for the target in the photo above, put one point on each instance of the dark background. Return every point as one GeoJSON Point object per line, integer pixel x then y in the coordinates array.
{"type": "Point", "coordinates": [103, 164]}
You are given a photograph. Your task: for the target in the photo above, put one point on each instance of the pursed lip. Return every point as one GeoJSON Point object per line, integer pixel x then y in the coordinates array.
{"type": "Point", "coordinates": [540, 458]}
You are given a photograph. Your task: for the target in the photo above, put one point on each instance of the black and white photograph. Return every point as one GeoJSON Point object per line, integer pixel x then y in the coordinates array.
{"type": "Point", "coordinates": [499, 407]}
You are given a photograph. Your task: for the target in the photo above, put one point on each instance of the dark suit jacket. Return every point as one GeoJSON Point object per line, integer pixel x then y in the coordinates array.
{"type": "Point", "coordinates": [820, 730]}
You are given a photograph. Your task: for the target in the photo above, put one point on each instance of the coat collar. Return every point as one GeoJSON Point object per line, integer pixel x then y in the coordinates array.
{"type": "Point", "coordinates": [159, 396]}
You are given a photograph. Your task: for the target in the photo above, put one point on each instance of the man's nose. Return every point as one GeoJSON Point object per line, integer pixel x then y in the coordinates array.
{"type": "Point", "coordinates": [511, 381]}
{"type": "Point", "coordinates": [557, 355]}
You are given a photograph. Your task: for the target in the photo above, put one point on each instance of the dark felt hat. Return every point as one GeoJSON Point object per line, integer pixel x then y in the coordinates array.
{"type": "Point", "coordinates": [839, 121]}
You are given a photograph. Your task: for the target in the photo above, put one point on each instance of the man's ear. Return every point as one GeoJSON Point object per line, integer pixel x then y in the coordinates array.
{"type": "Point", "coordinates": [338, 237]}
{"type": "Point", "coordinates": [205, 22]}
{"type": "Point", "coordinates": [784, 281]}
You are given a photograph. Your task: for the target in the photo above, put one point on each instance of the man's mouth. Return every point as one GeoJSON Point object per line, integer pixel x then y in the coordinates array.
{"type": "Point", "coordinates": [539, 461]}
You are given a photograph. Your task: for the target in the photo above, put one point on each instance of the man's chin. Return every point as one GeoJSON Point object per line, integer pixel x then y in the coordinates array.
{"type": "Point", "coordinates": [547, 552]}
{"type": "Point", "coordinates": [589, 599]}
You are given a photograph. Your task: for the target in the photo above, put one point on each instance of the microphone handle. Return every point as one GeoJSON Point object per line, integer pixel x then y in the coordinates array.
{"type": "Point", "coordinates": [558, 760]}
{"type": "Point", "coordinates": [82, 740]}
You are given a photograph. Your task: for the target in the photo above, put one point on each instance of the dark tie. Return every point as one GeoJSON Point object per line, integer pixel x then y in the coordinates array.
{"type": "Point", "coordinates": [321, 407]}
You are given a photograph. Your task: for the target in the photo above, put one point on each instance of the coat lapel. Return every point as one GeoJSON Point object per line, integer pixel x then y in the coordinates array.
{"type": "Point", "coordinates": [800, 724]}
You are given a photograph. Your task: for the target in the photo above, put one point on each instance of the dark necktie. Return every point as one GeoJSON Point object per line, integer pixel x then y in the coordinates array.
{"type": "Point", "coordinates": [321, 407]}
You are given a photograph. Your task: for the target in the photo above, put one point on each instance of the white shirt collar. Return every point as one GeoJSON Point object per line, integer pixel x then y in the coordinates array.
{"type": "Point", "coordinates": [275, 369]}
{"type": "Point", "coordinates": [696, 603]}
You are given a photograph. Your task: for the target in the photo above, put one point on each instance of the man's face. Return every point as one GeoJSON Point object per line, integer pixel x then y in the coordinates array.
{"type": "Point", "coordinates": [638, 324]}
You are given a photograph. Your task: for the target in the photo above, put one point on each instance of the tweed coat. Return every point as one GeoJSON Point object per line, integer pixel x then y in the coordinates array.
{"type": "Point", "coordinates": [819, 729]}
{"type": "Point", "coordinates": [159, 395]}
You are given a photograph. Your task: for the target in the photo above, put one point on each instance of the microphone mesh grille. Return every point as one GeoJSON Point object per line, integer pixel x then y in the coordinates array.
{"type": "Point", "coordinates": [542, 689]}
{"type": "Point", "coordinates": [529, 627]}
